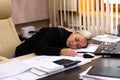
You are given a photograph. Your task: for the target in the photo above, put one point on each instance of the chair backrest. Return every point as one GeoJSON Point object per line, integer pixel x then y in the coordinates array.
{"type": "Point", "coordinates": [8, 36]}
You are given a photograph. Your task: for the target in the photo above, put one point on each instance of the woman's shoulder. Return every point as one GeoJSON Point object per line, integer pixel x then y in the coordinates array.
{"type": "Point", "coordinates": [52, 29]}
{"type": "Point", "coordinates": [55, 30]}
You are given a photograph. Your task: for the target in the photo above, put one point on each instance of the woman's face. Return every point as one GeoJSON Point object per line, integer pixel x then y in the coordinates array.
{"type": "Point", "coordinates": [76, 41]}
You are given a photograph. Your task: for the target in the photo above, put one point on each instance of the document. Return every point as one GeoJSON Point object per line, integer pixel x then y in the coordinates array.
{"type": "Point", "coordinates": [31, 74]}
{"type": "Point", "coordinates": [10, 78]}
{"type": "Point", "coordinates": [90, 48]}
{"type": "Point", "coordinates": [37, 72]}
{"type": "Point", "coordinates": [13, 68]}
{"type": "Point", "coordinates": [27, 76]}
{"type": "Point", "coordinates": [90, 77]}
{"type": "Point", "coordinates": [37, 67]}
{"type": "Point", "coordinates": [49, 67]}
{"type": "Point", "coordinates": [46, 63]}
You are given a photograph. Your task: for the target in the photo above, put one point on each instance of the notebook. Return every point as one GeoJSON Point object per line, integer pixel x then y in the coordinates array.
{"type": "Point", "coordinates": [105, 71]}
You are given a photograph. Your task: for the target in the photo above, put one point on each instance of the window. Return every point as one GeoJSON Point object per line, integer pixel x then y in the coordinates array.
{"type": "Point", "coordinates": [114, 2]}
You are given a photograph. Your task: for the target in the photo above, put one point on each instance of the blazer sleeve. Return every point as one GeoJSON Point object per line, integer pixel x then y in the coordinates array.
{"type": "Point", "coordinates": [50, 43]}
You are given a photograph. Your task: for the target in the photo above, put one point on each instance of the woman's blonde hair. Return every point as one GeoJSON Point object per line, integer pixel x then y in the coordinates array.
{"type": "Point", "coordinates": [85, 33]}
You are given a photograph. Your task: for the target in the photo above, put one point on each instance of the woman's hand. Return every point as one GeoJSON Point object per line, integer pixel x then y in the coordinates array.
{"type": "Point", "coordinates": [68, 52]}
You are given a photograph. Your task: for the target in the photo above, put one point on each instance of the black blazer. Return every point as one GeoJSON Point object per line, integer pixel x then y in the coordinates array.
{"type": "Point", "coordinates": [48, 41]}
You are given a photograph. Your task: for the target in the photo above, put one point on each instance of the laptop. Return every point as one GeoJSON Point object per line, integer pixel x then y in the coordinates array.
{"type": "Point", "coordinates": [111, 50]}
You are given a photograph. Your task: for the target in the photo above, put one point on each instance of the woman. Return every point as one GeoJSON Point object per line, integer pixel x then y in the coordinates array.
{"type": "Point", "coordinates": [54, 41]}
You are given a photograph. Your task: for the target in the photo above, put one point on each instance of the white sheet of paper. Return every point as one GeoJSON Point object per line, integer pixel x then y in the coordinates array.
{"type": "Point", "coordinates": [89, 48]}
{"type": "Point", "coordinates": [89, 77]}
{"type": "Point", "coordinates": [45, 63]}
{"type": "Point", "coordinates": [11, 78]}
{"type": "Point", "coordinates": [26, 69]}
{"type": "Point", "coordinates": [49, 67]}
{"type": "Point", "coordinates": [37, 72]}
{"type": "Point", "coordinates": [27, 76]}
{"type": "Point", "coordinates": [13, 67]}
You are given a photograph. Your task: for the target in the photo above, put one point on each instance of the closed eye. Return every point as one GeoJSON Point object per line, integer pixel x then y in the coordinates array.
{"type": "Point", "coordinates": [77, 39]}
{"type": "Point", "coordinates": [78, 42]}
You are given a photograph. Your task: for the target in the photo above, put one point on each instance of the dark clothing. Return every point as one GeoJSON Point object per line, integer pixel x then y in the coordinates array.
{"type": "Point", "coordinates": [48, 41]}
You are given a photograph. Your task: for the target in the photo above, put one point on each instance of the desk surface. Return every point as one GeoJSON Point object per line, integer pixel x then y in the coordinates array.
{"type": "Point", "coordinates": [73, 74]}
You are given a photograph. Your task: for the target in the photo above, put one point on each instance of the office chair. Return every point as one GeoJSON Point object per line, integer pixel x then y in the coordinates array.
{"type": "Point", "coordinates": [8, 36]}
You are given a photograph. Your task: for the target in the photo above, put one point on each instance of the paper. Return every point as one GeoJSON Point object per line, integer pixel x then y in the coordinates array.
{"type": "Point", "coordinates": [107, 38]}
{"type": "Point", "coordinates": [49, 67]}
{"type": "Point", "coordinates": [37, 72]}
{"type": "Point", "coordinates": [12, 68]}
{"type": "Point", "coordinates": [46, 64]}
{"type": "Point", "coordinates": [32, 74]}
{"type": "Point", "coordinates": [89, 77]}
{"type": "Point", "coordinates": [89, 48]}
{"type": "Point", "coordinates": [11, 78]}
{"type": "Point", "coordinates": [85, 72]}
{"type": "Point", "coordinates": [27, 76]}
{"type": "Point", "coordinates": [34, 68]}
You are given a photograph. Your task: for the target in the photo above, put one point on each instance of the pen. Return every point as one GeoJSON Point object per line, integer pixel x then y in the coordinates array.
{"type": "Point", "coordinates": [84, 52]}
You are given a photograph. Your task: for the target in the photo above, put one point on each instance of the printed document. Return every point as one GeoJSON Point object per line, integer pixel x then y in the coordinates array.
{"type": "Point", "coordinates": [36, 67]}
{"type": "Point", "coordinates": [46, 64]}
{"type": "Point", "coordinates": [89, 48]}
{"type": "Point", "coordinates": [13, 68]}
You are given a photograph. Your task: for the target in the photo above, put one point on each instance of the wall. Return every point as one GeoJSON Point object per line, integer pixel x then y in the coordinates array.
{"type": "Point", "coordinates": [30, 13]}
{"type": "Point", "coordinates": [29, 10]}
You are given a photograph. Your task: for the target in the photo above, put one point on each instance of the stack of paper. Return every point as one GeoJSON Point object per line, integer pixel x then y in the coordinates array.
{"type": "Point", "coordinates": [37, 67]}
{"type": "Point", "coordinates": [12, 68]}
{"type": "Point", "coordinates": [46, 64]}
{"type": "Point", "coordinates": [49, 67]}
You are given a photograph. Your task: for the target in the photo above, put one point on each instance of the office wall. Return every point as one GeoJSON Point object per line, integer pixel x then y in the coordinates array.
{"type": "Point", "coordinates": [24, 11]}
{"type": "Point", "coordinates": [30, 13]}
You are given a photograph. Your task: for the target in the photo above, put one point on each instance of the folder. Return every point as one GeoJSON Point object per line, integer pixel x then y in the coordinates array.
{"type": "Point", "coordinates": [113, 72]}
